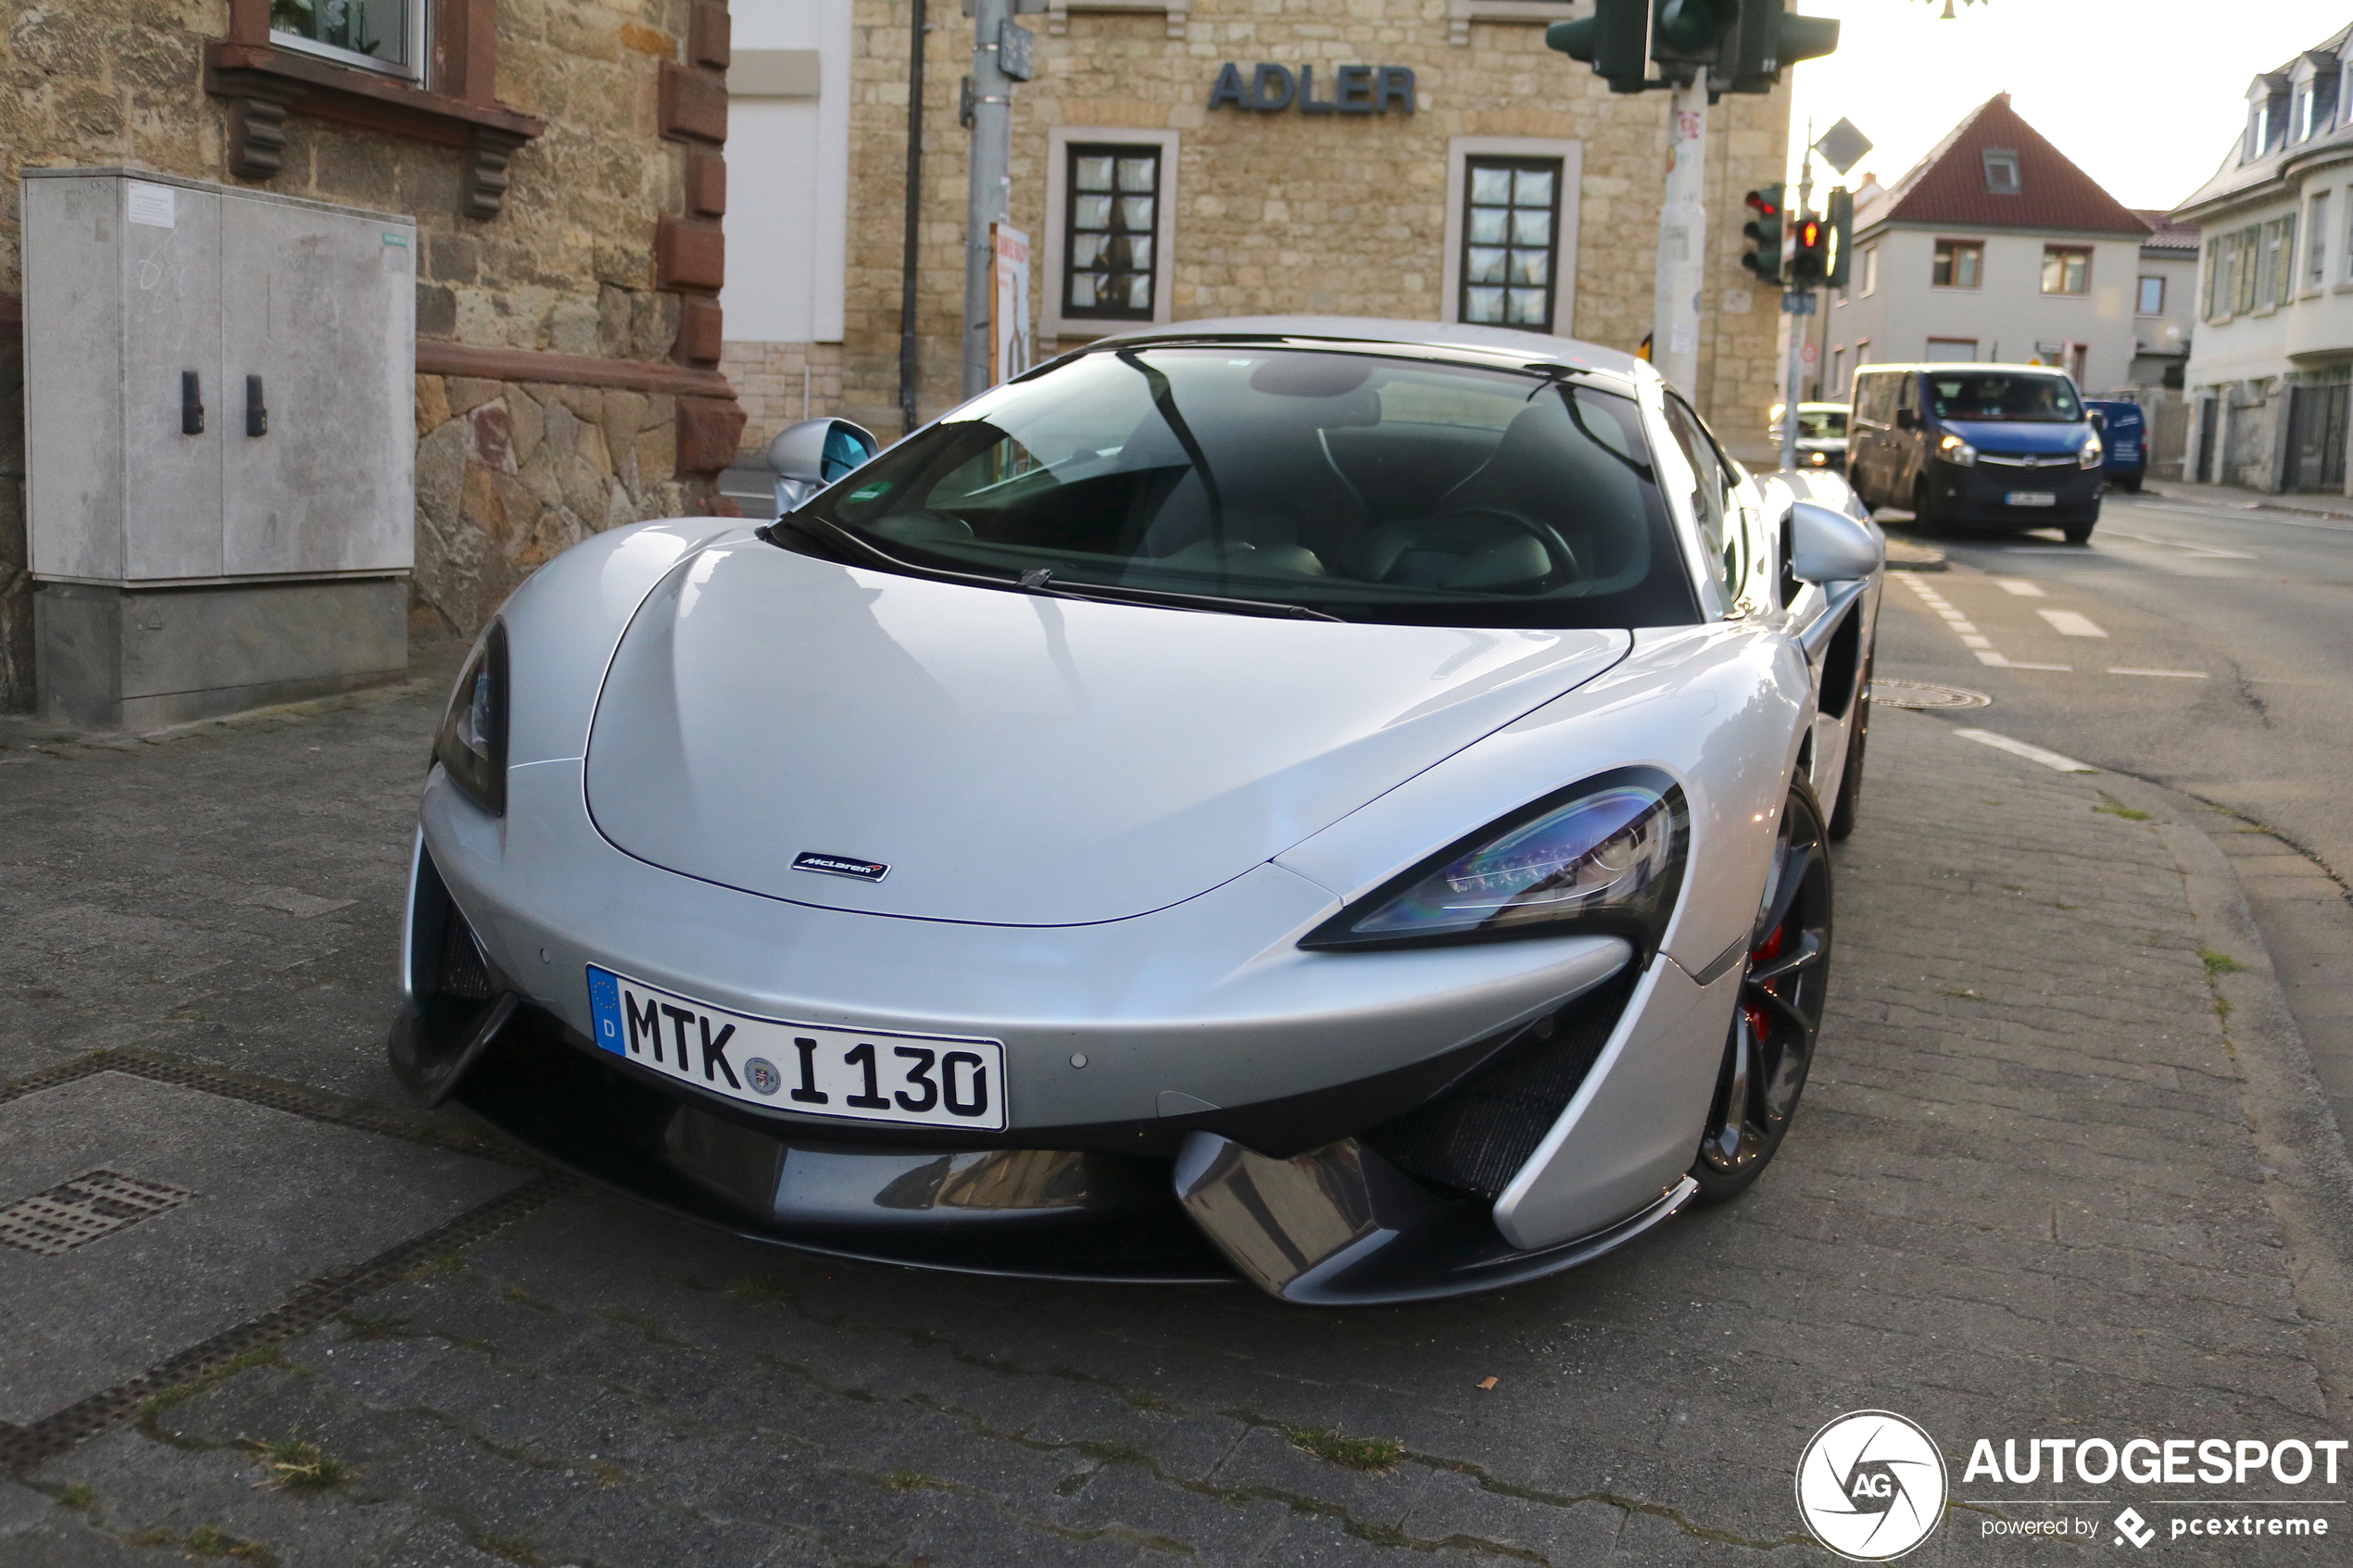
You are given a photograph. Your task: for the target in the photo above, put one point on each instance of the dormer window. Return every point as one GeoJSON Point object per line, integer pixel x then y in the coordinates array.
{"type": "Point", "coordinates": [2300, 114]}
{"type": "Point", "coordinates": [2001, 172]}
{"type": "Point", "coordinates": [2267, 116]}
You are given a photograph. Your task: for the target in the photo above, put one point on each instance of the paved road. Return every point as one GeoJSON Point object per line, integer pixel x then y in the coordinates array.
{"type": "Point", "coordinates": [2207, 648]}
{"type": "Point", "coordinates": [2044, 1184]}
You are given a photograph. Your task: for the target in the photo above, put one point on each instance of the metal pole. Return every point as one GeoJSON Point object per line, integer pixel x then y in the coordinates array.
{"type": "Point", "coordinates": [992, 157]}
{"type": "Point", "coordinates": [911, 364]}
{"type": "Point", "coordinates": [1682, 239]}
{"type": "Point", "coordinates": [1801, 330]}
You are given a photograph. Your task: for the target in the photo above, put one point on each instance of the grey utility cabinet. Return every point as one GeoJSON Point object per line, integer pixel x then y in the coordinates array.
{"type": "Point", "coordinates": [221, 444]}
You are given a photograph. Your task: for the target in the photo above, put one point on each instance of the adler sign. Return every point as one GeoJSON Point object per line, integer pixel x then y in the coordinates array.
{"type": "Point", "coordinates": [1354, 89]}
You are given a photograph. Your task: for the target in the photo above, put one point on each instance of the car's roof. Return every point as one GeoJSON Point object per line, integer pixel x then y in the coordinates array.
{"type": "Point", "coordinates": [1967, 367]}
{"type": "Point", "coordinates": [1484, 343]}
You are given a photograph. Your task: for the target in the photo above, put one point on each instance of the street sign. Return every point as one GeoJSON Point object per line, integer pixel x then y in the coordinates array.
{"type": "Point", "coordinates": [1842, 146]}
{"type": "Point", "coordinates": [1009, 351]}
{"type": "Point", "coordinates": [1014, 54]}
{"type": "Point", "coordinates": [1800, 302]}
{"type": "Point", "coordinates": [1809, 354]}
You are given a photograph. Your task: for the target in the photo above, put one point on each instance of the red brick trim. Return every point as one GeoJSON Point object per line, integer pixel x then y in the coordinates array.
{"type": "Point", "coordinates": [706, 183]}
{"type": "Point", "coordinates": [694, 104]}
{"type": "Point", "coordinates": [328, 91]}
{"type": "Point", "coordinates": [709, 431]}
{"type": "Point", "coordinates": [690, 254]}
{"type": "Point", "coordinates": [699, 330]}
{"type": "Point", "coordinates": [709, 34]}
{"type": "Point", "coordinates": [437, 358]}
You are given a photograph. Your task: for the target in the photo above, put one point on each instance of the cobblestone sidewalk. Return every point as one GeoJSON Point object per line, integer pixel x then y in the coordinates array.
{"type": "Point", "coordinates": [2057, 1173]}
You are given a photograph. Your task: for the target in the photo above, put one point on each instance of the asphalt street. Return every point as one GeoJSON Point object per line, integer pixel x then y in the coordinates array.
{"type": "Point", "coordinates": [2060, 1171]}
{"type": "Point", "coordinates": [2204, 646]}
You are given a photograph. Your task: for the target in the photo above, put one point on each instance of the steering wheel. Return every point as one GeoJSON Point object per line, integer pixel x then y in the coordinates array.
{"type": "Point", "coordinates": [1565, 567]}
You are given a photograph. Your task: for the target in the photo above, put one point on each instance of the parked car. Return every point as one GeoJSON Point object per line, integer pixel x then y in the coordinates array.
{"type": "Point", "coordinates": [2124, 435]}
{"type": "Point", "coordinates": [1339, 803]}
{"type": "Point", "coordinates": [1976, 446]}
{"type": "Point", "coordinates": [1821, 434]}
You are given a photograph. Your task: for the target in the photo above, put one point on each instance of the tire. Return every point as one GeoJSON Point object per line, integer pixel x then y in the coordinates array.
{"type": "Point", "coordinates": [2132, 484]}
{"type": "Point", "coordinates": [2081, 532]}
{"type": "Point", "coordinates": [1927, 521]}
{"type": "Point", "coordinates": [1848, 804]}
{"type": "Point", "coordinates": [1777, 1018]}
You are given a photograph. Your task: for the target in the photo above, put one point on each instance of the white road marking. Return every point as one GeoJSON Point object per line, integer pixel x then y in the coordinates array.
{"type": "Point", "coordinates": [1988, 657]}
{"type": "Point", "coordinates": [2068, 623]}
{"type": "Point", "coordinates": [2021, 587]}
{"type": "Point", "coordinates": [2176, 674]}
{"type": "Point", "coordinates": [2050, 759]}
{"type": "Point", "coordinates": [1972, 640]}
{"type": "Point", "coordinates": [2182, 544]}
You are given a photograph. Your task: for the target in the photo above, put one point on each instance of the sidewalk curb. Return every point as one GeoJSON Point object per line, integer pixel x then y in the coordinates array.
{"type": "Point", "coordinates": [2309, 1177]}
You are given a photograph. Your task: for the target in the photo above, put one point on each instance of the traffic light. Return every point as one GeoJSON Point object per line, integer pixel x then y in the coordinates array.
{"type": "Point", "coordinates": [1616, 41]}
{"type": "Point", "coordinates": [1763, 226]}
{"type": "Point", "coordinates": [1841, 220]}
{"type": "Point", "coordinates": [1690, 34]}
{"type": "Point", "coordinates": [1769, 41]}
{"type": "Point", "coordinates": [1809, 253]}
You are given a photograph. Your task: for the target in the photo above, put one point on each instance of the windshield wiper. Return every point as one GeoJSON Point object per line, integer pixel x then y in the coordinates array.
{"type": "Point", "coordinates": [1041, 582]}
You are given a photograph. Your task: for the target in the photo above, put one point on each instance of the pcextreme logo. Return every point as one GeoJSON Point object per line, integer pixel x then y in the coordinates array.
{"type": "Point", "coordinates": [1872, 1485]}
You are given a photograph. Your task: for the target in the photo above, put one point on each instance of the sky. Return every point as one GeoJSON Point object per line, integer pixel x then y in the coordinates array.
{"type": "Point", "coordinates": [2145, 95]}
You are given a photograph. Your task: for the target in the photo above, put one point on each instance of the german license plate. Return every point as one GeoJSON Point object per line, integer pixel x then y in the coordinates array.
{"type": "Point", "coordinates": [933, 1081]}
{"type": "Point", "coordinates": [2031, 499]}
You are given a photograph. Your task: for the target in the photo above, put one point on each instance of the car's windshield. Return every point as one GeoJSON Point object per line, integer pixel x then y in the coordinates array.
{"type": "Point", "coordinates": [1821, 424]}
{"type": "Point", "coordinates": [1359, 485]}
{"type": "Point", "coordinates": [2001, 394]}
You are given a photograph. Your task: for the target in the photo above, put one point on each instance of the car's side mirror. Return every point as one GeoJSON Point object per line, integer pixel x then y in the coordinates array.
{"type": "Point", "coordinates": [1827, 545]}
{"type": "Point", "coordinates": [1907, 420]}
{"type": "Point", "coordinates": [2099, 421]}
{"type": "Point", "coordinates": [809, 456]}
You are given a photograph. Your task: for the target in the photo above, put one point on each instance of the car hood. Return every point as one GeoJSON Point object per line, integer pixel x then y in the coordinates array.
{"type": "Point", "coordinates": [1016, 758]}
{"type": "Point", "coordinates": [2019, 435]}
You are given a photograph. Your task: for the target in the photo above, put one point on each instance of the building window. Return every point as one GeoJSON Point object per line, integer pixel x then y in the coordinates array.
{"type": "Point", "coordinates": [1838, 372]}
{"type": "Point", "coordinates": [2066, 270]}
{"type": "Point", "coordinates": [2152, 299]}
{"type": "Point", "coordinates": [1871, 270]}
{"type": "Point", "coordinates": [2300, 114]}
{"type": "Point", "coordinates": [1511, 237]}
{"type": "Point", "coordinates": [1958, 264]}
{"type": "Point", "coordinates": [2001, 172]}
{"type": "Point", "coordinates": [1862, 356]}
{"type": "Point", "coordinates": [386, 35]}
{"type": "Point", "coordinates": [2316, 263]}
{"type": "Point", "coordinates": [1951, 350]}
{"type": "Point", "coordinates": [1111, 223]}
{"type": "Point", "coordinates": [2275, 262]}
{"type": "Point", "coordinates": [2246, 253]}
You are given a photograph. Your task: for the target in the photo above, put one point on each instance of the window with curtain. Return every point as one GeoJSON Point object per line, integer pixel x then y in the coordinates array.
{"type": "Point", "coordinates": [1958, 264]}
{"type": "Point", "coordinates": [1511, 241]}
{"type": "Point", "coordinates": [385, 35]}
{"type": "Point", "coordinates": [2316, 261]}
{"type": "Point", "coordinates": [2066, 270]}
{"type": "Point", "coordinates": [1110, 265]}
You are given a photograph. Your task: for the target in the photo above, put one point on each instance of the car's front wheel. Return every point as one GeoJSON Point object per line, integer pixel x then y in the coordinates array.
{"type": "Point", "coordinates": [1778, 1014]}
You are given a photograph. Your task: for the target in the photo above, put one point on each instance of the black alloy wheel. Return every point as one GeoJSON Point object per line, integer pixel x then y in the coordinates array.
{"type": "Point", "coordinates": [1778, 1015]}
{"type": "Point", "coordinates": [1925, 523]}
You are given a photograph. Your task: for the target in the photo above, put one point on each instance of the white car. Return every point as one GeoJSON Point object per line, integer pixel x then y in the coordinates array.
{"type": "Point", "coordinates": [1333, 802]}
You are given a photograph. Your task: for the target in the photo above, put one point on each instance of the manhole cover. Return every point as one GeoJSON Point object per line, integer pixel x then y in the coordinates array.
{"type": "Point", "coordinates": [1922, 694]}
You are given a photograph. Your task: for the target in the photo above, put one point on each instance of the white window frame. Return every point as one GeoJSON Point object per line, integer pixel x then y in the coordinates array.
{"type": "Point", "coordinates": [412, 69]}
{"type": "Point", "coordinates": [2003, 158]}
{"type": "Point", "coordinates": [1051, 322]}
{"type": "Point", "coordinates": [1870, 270]}
{"type": "Point", "coordinates": [2140, 292]}
{"type": "Point", "coordinates": [2312, 266]}
{"type": "Point", "coordinates": [1459, 151]}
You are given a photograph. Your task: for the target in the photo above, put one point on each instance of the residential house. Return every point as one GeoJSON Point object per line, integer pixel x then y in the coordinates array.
{"type": "Point", "coordinates": [1995, 247]}
{"type": "Point", "coordinates": [2164, 302]}
{"type": "Point", "coordinates": [2271, 374]}
{"type": "Point", "coordinates": [563, 166]}
{"type": "Point", "coordinates": [1324, 157]}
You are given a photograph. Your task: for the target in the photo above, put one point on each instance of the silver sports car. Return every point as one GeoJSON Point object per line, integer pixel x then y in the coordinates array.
{"type": "Point", "coordinates": [1339, 803]}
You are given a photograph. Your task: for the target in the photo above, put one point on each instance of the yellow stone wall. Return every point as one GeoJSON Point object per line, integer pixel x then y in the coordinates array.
{"type": "Point", "coordinates": [1289, 212]}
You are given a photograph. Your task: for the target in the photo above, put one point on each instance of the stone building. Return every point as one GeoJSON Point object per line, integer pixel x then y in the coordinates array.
{"type": "Point", "coordinates": [562, 160]}
{"type": "Point", "coordinates": [1321, 156]}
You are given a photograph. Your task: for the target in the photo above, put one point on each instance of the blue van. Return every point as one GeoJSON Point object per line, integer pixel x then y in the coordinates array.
{"type": "Point", "coordinates": [2124, 432]}
{"type": "Point", "coordinates": [1976, 446]}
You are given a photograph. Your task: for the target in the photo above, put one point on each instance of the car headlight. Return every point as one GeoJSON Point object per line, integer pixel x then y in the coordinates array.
{"type": "Point", "coordinates": [1604, 856]}
{"type": "Point", "coordinates": [1953, 449]}
{"type": "Point", "coordinates": [1817, 458]}
{"type": "Point", "coordinates": [2092, 452]}
{"type": "Point", "coordinates": [472, 742]}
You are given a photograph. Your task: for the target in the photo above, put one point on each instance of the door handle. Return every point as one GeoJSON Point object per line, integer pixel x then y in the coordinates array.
{"type": "Point", "coordinates": [191, 404]}
{"type": "Point", "coordinates": [256, 410]}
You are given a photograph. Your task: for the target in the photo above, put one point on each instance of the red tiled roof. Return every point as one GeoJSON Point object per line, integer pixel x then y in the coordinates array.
{"type": "Point", "coordinates": [2169, 235]}
{"type": "Point", "coordinates": [2054, 195]}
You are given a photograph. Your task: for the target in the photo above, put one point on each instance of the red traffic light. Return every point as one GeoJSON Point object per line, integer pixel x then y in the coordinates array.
{"type": "Point", "coordinates": [1809, 235]}
{"type": "Point", "coordinates": [1765, 205]}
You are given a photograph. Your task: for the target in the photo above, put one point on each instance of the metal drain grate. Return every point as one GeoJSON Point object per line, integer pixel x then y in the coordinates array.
{"type": "Point", "coordinates": [76, 1212]}
{"type": "Point", "coordinates": [1924, 694]}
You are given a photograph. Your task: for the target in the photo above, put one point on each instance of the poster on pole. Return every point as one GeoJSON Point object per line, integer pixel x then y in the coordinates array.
{"type": "Point", "coordinates": [1009, 341]}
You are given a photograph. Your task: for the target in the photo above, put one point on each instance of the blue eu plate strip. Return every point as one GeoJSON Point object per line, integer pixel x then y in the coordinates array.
{"type": "Point", "coordinates": [604, 1005]}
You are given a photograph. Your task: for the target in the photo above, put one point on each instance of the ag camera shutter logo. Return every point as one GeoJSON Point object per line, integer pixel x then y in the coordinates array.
{"type": "Point", "coordinates": [1872, 1485]}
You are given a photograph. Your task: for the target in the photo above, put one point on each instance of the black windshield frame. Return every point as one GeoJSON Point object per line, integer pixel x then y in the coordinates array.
{"type": "Point", "coordinates": [889, 503]}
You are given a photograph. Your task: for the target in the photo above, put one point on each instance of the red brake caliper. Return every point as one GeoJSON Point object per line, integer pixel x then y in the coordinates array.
{"type": "Point", "coordinates": [1759, 1022]}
